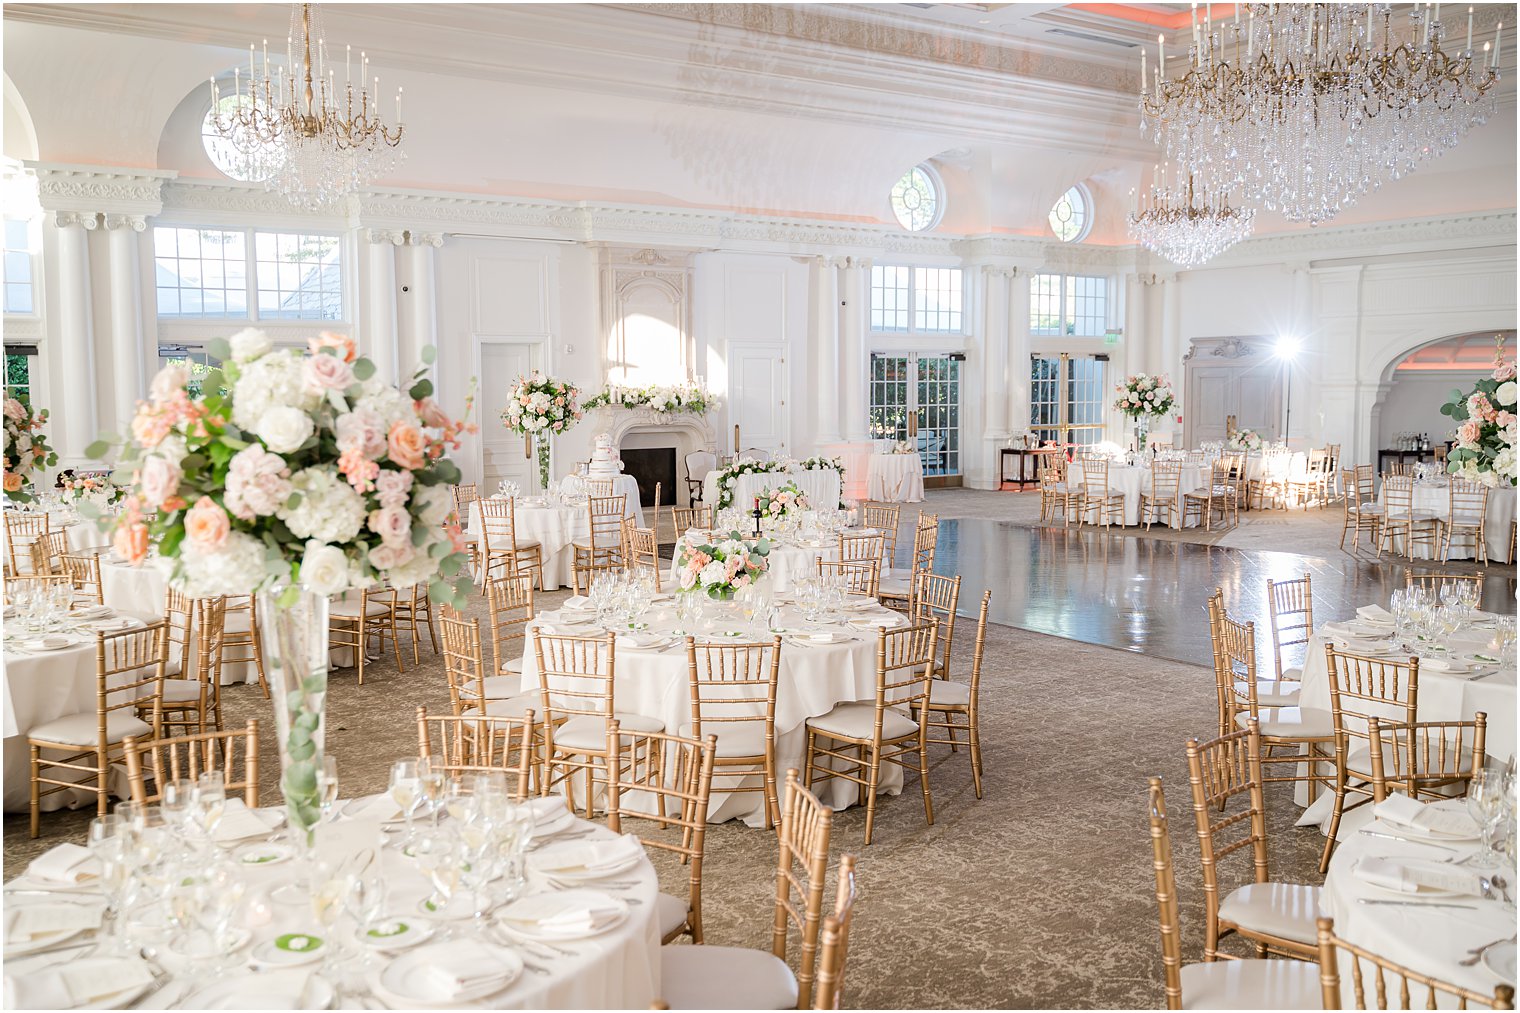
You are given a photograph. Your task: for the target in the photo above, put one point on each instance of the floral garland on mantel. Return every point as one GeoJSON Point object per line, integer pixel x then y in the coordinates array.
{"type": "Point", "coordinates": [672, 399]}
{"type": "Point", "coordinates": [745, 466]}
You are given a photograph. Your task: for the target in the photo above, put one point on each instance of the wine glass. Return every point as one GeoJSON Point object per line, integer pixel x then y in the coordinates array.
{"type": "Point", "coordinates": [1485, 804]}
{"type": "Point", "coordinates": [366, 902]}
{"type": "Point", "coordinates": [176, 802]}
{"type": "Point", "coordinates": [327, 788]}
{"type": "Point", "coordinates": [438, 857]}
{"type": "Point", "coordinates": [210, 801]}
{"type": "Point", "coordinates": [108, 841]}
{"type": "Point", "coordinates": [406, 792]}
{"type": "Point", "coordinates": [430, 780]}
{"type": "Point", "coordinates": [221, 890]}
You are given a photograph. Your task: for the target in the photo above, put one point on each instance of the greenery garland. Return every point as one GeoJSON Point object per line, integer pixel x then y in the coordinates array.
{"type": "Point", "coordinates": [745, 466]}
{"type": "Point", "coordinates": [674, 399]}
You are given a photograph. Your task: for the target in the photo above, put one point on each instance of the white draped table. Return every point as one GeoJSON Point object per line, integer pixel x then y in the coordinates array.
{"type": "Point", "coordinates": [813, 678]}
{"type": "Point", "coordinates": [1434, 497]}
{"type": "Point", "coordinates": [555, 527]}
{"type": "Point", "coordinates": [1132, 480]}
{"type": "Point", "coordinates": [895, 478]}
{"type": "Point", "coordinates": [819, 485]}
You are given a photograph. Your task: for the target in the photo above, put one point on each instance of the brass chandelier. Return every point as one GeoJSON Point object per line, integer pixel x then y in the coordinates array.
{"type": "Point", "coordinates": [1188, 223]}
{"type": "Point", "coordinates": [294, 126]}
{"type": "Point", "coordinates": [1304, 107]}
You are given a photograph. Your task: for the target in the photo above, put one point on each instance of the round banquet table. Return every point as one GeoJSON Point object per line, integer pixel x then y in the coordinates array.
{"type": "Point", "coordinates": [813, 678]}
{"type": "Point", "coordinates": [42, 686]}
{"type": "Point", "coordinates": [555, 526]}
{"type": "Point", "coordinates": [819, 485]}
{"type": "Point", "coordinates": [1434, 497]}
{"type": "Point", "coordinates": [895, 478]}
{"type": "Point", "coordinates": [1428, 940]}
{"type": "Point", "coordinates": [615, 969]}
{"type": "Point", "coordinates": [1297, 463]}
{"type": "Point", "coordinates": [1132, 480]}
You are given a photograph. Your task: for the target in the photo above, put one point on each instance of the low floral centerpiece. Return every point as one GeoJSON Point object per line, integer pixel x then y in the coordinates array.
{"type": "Point", "coordinates": [782, 500]}
{"type": "Point", "coordinates": [1143, 397]}
{"type": "Point", "coordinates": [721, 567]}
{"type": "Point", "coordinates": [293, 477]}
{"type": "Point", "coordinates": [95, 492]}
{"type": "Point", "coordinates": [1245, 439]}
{"type": "Point", "coordinates": [663, 399]}
{"type": "Point", "coordinates": [26, 449]}
{"type": "Point", "coordinates": [1486, 417]}
{"type": "Point", "coordinates": [540, 407]}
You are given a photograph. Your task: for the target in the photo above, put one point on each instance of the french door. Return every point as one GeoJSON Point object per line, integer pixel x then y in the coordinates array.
{"type": "Point", "coordinates": [1068, 397]}
{"type": "Point", "coordinates": [917, 397]}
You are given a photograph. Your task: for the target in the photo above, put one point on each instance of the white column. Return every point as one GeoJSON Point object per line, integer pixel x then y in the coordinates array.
{"type": "Point", "coordinates": [378, 319]}
{"type": "Point", "coordinates": [75, 421]}
{"type": "Point", "coordinates": [1171, 336]}
{"type": "Point", "coordinates": [853, 370]}
{"type": "Point", "coordinates": [417, 304]}
{"type": "Point", "coordinates": [1016, 283]}
{"type": "Point", "coordinates": [995, 361]}
{"type": "Point", "coordinates": [826, 329]}
{"type": "Point", "coordinates": [126, 314]}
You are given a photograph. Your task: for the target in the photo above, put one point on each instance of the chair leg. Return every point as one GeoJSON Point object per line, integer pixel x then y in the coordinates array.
{"type": "Point", "coordinates": [870, 789]}
{"type": "Point", "coordinates": [807, 766]}
{"type": "Point", "coordinates": [976, 754]}
{"type": "Point", "coordinates": [36, 763]}
{"type": "Point", "coordinates": [923, 776]}
{"type": "Point", "coordinates": [1335, 822]}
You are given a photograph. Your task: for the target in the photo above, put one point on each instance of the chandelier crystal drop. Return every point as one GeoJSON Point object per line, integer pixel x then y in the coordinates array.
{"type": "Point", "coordinates": [311, 139]}
{"type": "Point", "coordinates": [1305, 107]}
{"type": "Point", "coordinates": [1187, 224]}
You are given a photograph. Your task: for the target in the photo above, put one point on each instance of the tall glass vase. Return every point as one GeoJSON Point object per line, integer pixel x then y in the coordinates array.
{"type": "Point", "coordinates": [293, 624]}
{"type": "Point", "coordinates": [1142, 433]}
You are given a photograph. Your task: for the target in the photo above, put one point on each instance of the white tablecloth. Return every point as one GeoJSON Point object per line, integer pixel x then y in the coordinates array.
{"type": "Point", "coordinates": [812, 680]}
{"type": "Point", "coordinates": [820, 486]}
{"type": "Point", "coordinates": [1288, 466]}
{"type": "Point", "coordinates": [555, 527]}
{"type": "Point", "coordinates": [1428, 940]}
{"type": "Point", "coordinates": [1132, 481]}
{"type": "Point", "coordinates": [1435, 498]}
{"type": "Point", "coordinates": [895, 478]}
{"type": "Point", "coordinates": [628, 487]}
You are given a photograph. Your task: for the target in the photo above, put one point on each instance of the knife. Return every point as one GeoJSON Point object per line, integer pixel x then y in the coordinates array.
{"type": "Point", "coordinates": [1416, 903]}
{"type": "Point", "coordinates": [1406, 840]}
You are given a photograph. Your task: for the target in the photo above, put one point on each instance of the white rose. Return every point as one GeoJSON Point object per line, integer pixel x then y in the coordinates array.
{"type": "Point", "coordinates": [283, 430]}
{"type": "Point", "coordinates": [1505, 395]}
{"type": "Point", "coordinates": [324, 569]}
{"type": "Point", "coordinates": [714, 573]}
{"type": "Point", "coordinates": [249, 343]}
{"type": "Point", "coordinates": [431, 504]}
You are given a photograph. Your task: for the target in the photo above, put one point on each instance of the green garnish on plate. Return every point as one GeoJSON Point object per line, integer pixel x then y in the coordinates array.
{"type": "Point", "coordinates": [297, 942]}
{"type": "Point", "coordinates": [387, 931]}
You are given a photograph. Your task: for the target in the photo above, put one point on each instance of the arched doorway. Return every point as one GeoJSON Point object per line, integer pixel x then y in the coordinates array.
{"type": "Point", "coordinates": [1414, 384]}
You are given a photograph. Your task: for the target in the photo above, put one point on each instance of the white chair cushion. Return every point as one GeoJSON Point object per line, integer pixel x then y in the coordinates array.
{"type": "Point", "coordinates": [1271, 693]}
{"type": "Point", "coordinates": [182, 691]}
{"type": "Point", "coordinates": [726, 977]}
{"type": "Point", "coordinates": [1292, 722]}
{"type": "Point", "coordinates": [949, 694]}
{"type": "Point", "coordinates": [1464, 520]}
{"type": "Point", "coordinates": [590, 733]}
{"type": "Point", "coordinates": [735, 738]}
{"type": "Point", "coordinates": [512, 667]}
{"type": "Point", "coordinates": [1285, 910]}
{"type": "Point", "coordinates": [1416, 516]}
{"type": "Point", "coordinates": [858, 721]}
{"type": "Point", "coordinates": [893, 585]}
{"type": "Point", "coordinates": [503, 687]}
{"type": "Point", "coordinates": [350, 609]}
{"type": "Point", "coordinates": [1251, 984]}
{"type": "Point", "coordinates": [83, 729]}
{"type": "Point", "coordinates": [670, 913]}
{"type": "Point", "coordinates": [1365, 508]}
{"type": "Point", "coordinates": [513, 706]}
{"type": "Point", "coordinates": [1293, 673]}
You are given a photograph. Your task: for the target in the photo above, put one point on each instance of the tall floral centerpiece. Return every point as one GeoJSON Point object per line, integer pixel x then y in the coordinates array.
{"type": "Point", "coordinates": [1245, 439]}
{"type": "Point", "coordinates": [294, 477]}
{"type": "Point", "coordinates": [719, 568]}
{"type": "Point", "coordinates": [26, 449]}
{"type": "Point", "coordinates": [1143, 397]}
{"type": "Point", "coordinates": [1486, 417]}
{"type": "Point", "coordinates": [540, 407]}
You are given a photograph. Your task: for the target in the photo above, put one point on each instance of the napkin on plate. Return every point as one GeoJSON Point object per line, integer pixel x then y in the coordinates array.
{"type": "Point", "coordinates": [25, 923]}
{"type": "Point", "coordinates": [639, 640]}
{"type": "Point", "coordinates": [76, 983]}
{"type": "Point", "coordinates": [1443, 665]}
{"type": "Point", "coordinates": [238, 821]}
{"type": "Point", "coordinates": [561, 913]}
{"type": "Point", "coordinates": [1403, 811]}
{"type": "Point", "coordinates": [577, 601]}
{"type": "Point", "coordinates": [51, 642]}
{"type": "Point", "coordinates": [589, 857]}
{"type": "Point", "coordinates": [1375, 614]}
{"type": "Point", "coordinates": [69, 864]}
{"type": "Point", "coordinates": [373, 807]}
{"type": "Point", "coordinates": [462, 966]}
{"type": "Point", "coordinates": [1407, 875]}
{"type": "Point", "coordinates": [548, 809]}
{"type": "Point", "coordinates": [94, 612]}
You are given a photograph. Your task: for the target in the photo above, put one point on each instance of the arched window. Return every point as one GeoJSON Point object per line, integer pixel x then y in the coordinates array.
{"type": "Point", "coordinates": [242, 156]}
{"type": "Point", "coordinates": [917, 199]}
{"type": "Point", "coordinates": [1071, 218]}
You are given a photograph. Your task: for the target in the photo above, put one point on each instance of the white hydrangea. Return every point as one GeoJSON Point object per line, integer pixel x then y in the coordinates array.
{"type": "Point", "coordinates": [387, 402]}
{"type": "Point", "coordinates": [714, 573]}
{"type": "Point", "coordinates": [1504, 463]}
{"type": "Point", "coordinates": [431, 505]}
{"type": "Point", "coordinates": [329, 511]}
{"type": "Point", "coordinates": [237, 568]}
{"type": "Point", "coordinates": [250, 343]}
{"type": "Point", "coordinates": [420, 568]}
{"type": "Point", "coordinates": [272, 381]}
{"type": "Point", "coordinates": [172, 448]}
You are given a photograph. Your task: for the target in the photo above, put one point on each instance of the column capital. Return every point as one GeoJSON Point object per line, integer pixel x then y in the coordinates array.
{"type": "Point", "coordinates": [94, 189]}
{"type": "Point", "coordinates": [433, 239]}
{"type": "Point", "coordinates": [84, 219]}
{"type": "Point", "coordinates": [396, 237]}
{"type": "Point", "coordinates": [137, 223]}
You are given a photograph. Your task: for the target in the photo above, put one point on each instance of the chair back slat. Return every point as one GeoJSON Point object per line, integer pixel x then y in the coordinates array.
{"type": "Point", "coordinates": [234, 752]}
{"type": "Point", "coordinates": [510, 600]}
{"type": "Point", "coordinates": [479, 743]}
{"type": "Point", "coordinates": [806, 826]}
{"type": "Point", "coordinates": [1336, 956]}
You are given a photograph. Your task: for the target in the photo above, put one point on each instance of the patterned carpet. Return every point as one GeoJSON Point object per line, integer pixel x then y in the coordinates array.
{"type": "Point", "coordinates": [1038, 895]}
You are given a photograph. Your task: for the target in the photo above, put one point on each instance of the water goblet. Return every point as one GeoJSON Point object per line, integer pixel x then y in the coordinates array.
{"type": "Point", "coordinates": [1485, 798]}
{"type": "Point", "coordinates": [176, 801]}
{"type": "Point", "coordinates": [210, 800]}
{"type": "Point", "coordinates": [327, 788]}
{"type": "Point", "coordinates": [430, 780]}
{"type": "Point", "coordinates": [366, 902]}
{"type": "Point", "coordinates": [438, 856]}
{"type": "Point", "coordinates": [222, 891]}
{"type": "Point", "coordinates": [108, 841]}
{"type": "Point", "coordinates": [406, 792]}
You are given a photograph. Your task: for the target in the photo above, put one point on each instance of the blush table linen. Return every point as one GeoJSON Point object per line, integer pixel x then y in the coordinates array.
{"type": "Point", "coordinates": [895, 478]}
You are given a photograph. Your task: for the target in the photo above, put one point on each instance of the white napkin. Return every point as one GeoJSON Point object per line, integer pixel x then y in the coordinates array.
{"type": "Point", "coordinates": [27, 922]}
{"type": "Point", "coordinates": [560, 913]}
{"type": "Point", "coordinates": [577, 601]}
{"type": "Point", "coordinates": [591, 856]}
{"type": "Point", "coordinates": [1407, 875]}
{"type": "Point", "coordinates": [547, 809]}
{"type": "Point", "coordinates": [1403, 811]}
{"type": "Point", "coordinates": [464, 965]}
{"type": "Point", "coordinates": [1375, 614]}
{"type": "Point", "coordinates": [69, 864]}
{"type": "Point", "coordinates": [94, 612]}
{"type": "Point", "coordinates": [374, 807]}
{"type": "Point", "coordinates": [1442, 665]}
{"type": "Point", "coordinates": [51, 642]}
{"type": "Point", "coordinates": [639, 640]}
{"type": "Point", "coordinates": [238, 821]}
{"type": "Point", "coordinates": [545, 629]}
{"type": "Point", "coordinates": [75, 983]}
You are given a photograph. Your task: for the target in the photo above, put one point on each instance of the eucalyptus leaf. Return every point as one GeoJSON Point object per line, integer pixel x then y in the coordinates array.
{"type": "Point", "coordinates": [429, 354]}
{"type": "Point", "coordinates": [364, 369]}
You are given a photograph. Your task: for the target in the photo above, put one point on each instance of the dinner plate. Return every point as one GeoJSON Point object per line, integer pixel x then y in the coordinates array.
{"type": "Point", "coordinates": [540, 864]}
{"type": "Point", "coordinates": [292, 949]}
{"type": "Point", "coordinates": [406, 980]}
{"type": "Point", "coordinates": [20, 949]}
{"type": "Point", "coordinates": [39, 646]}
{"type": "Point", "coordinates": [1501, 961]}
{"type": "Point", "coordinates": [558, 823]}
{"type": "Point", "coordinates": [264, 991]}
{"type": "Point", "coordinates": [530, 931]}
{"type": "Point", "coordinates": [1481, 658]}
{"type": "Point", "coordinates": [808, 641]}
{"type": "Point", "coordinates": [624, 643]}
{"type": "Point", "coordinates": [400, 933]}
{"type": "Point", "coordinates": [264, 854]}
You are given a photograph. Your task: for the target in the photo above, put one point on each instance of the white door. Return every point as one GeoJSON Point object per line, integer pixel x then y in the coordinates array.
{"type": "Point", "coordinates": [501, 363]}
{"type": "Point", "coordinates": [758, 393]}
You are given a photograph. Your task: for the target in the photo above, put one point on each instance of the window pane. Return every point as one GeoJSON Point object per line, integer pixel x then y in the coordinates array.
{"type": "Point", "coordinates": [299, 276]}
{"type": "Point", "coordinates": [18, 266]}
{"type": "Point", "coordinates": [193, 268]}
{"type": "Point", "coordinates": [937, 299]}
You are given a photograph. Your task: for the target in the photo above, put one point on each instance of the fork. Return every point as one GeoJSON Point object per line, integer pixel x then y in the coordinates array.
{"type": "Point", "coordinates": [1477, 952]}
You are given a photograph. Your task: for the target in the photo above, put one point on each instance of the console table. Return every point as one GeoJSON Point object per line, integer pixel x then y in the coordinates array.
{"type": "Point", "coordinates": [1027, 472]}
{"type": "Point", "coordinates": [1400, 456]}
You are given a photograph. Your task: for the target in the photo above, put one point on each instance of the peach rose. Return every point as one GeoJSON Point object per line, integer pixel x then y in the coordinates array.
{"type": "Point", "coordinates": [149, 427]}
{"type": "Point", "coordinates": [327, 339]}
{"type": "Point", "coordinates": [12, 482]}
{"type": "Point", "coordinates": [207, 526]}
{"type": "Point", "coordinates": [408, 446]}
{"type": "Point", "coordinates": [433, 416]}
{"type": "Point", "coordinates": [1469, 432]}
{"type": "Point", "coordinates": [159, 480]}
{"type": "Point", "coordinates": [131, 542]}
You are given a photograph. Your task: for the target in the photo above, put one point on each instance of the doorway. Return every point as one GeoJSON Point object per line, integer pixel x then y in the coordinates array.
{"type": "Point", "coordinates": [502, 455]}
{"type": "Point", "coordinates": [1068, 397]}
{"type": "Point", "coordinates": [917, 397]}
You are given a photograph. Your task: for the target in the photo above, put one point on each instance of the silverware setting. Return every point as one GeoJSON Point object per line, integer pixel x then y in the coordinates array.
{"type": "Point", "coordinates": [1407, 840]}
{"type": "Point", "coordinates": [1478, 951]}
{"type": "Point", "coordinates": [1417, 903]}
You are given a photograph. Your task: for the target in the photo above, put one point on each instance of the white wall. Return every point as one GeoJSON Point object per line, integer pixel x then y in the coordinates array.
{"type": "Point", "coordinates": [1413, 404]}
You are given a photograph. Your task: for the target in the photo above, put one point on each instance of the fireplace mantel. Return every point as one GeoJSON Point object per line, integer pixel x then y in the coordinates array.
{"type": "Point", "coordinates": [691, 431]}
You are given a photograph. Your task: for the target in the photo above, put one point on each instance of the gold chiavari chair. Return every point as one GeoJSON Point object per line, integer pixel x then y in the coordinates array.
{"type": "Point", "coordinates": [834, 941]}
{"type": "Point", "coordinates": [1333, 466]}
{"type": "Point", "coordinates": [709, 977]}
{"type": "Point", "coordinates": [859, 737]}
{"type": "Point", "coordinates": [1362, 688]}
{"type": "Point", "coordinates": [353, 622]}
{"type": "Point", "coordinates": [83, 570]}
{"type": "Point", "coordinates": [501, 548]}
{"type": "Point", "coordinates": [241, 642]}
{"type": "Point", "coordinates": [896, 591]}
{"type": "Point", "coordinates": [1055, 491]}
{"type": "Point", "coordinates": [1272, 480]}
{"type": "Point", "coordinates": [862, 578]}
{"type": "Point", "coordinates": [644, 554]}
{"type": "Point", "coordinates": [1275, 917]}
{"type": "Point", "coordinates": [733, 694]}
{"type": "Point", "coordinates": [860, 548]}
{"type": "Point", "coordinates": [950, 700]}
{"type": "Point", "coordinates": [21, 529]}
{"type": "Point", "coordinates": [600, 488]}
{"type": "Point", "coordinates": [1290, 607]}
{"type": "Point", "coordinates": [1163, 501]}
{"type": "Point", "coordinates": [1313, 483]}
{"type": "Point", "coordinates": [511, 605]}
{"type": "Point", "coordinates": [14, 585]}
{"type": "Point", "coordinates": [479, 743]}
{"type": "Point", "coordinates": [934, 599]}
{"type": "Point", "coordinates": [1400, 469]}
{"type": "Point", "coordinates": [192, 689]}
{"type": "Point", "coordinates": [465, 493]}
{"type": "Point", "coordinates": [1360, 510]}
{"type": "Point", "coordinates": [1217, 984]}
{"type": "Point", "coordinates": [1422, 758]}
{"type": "Point", "coordinates": [47, 550]}
{"type": "Point", "coordinates": [602, 548]}
{"type": "Point", "coordinates": [1434, 582]}
{"type": "Point", "coordinates": [189, 756]}
{"type": "Point", "coordinates": [1094, 494]}
{"type": "Point", "coordinates": [1221, 494]}
{"type": "Point", "coordinates": [1336, 954]}
{"type": "Point", "coordinates": [672, 775]}
{"type": "Point", "coordinates": [129, 671]}
{"type": "Point", "coordinates": [414, 613]}
{"type": "Point", "coordinates": [1399, 515]}
{"type": "Point", "coordinates": [683, 519]}
{"type": "Point", "coordinates": [471, 690]}
{"type": "Point", "coordinates": [883, 517]}
{"type": "Point", "coordinates": [1466, 511]}
{"type": "Point", "coordinates": [577, 700]}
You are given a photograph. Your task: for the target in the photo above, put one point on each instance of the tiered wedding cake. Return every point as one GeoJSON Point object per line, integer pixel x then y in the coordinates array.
{"type": "Point", "coordinates": [604, 459]}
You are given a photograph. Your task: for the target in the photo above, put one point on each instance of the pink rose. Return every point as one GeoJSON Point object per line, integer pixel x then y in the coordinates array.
{"type": "Point", "coordinates": [160, 479]}
{"type": "Point", "coordinates": [1504, 371]}
{"type": "Point", "coordinates": [327, 372]}
{"type": "Point", "coordinates": [150, 427]}
{"type": "Point", "coordinates": [408, 447]}
{"type": "Point", "coordinates": [392, 487]}
{"type": "Point", "coordinates": [393, 524]}
{"type": "Point", "coordinates": [388, 557]}
{"type": "Point", "coordinates": [340, 343]}
{"type": "Point", "coordinates": [15, 409]}
{"type": "Point", "coordinates": [433, 416]}
{"type": "Point", "coordinates": [1469, 432]}
{"type": "Point", "coordinates": [257, 483]}
{"type": "Point", "coordinates": [1504, 419]}
{"type": "Point", "coordinates": [361, 431]}
{"type": "Point", "coordinates": [207, 526]}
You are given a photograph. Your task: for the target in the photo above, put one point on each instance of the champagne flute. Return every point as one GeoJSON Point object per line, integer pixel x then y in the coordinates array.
{"type": "Point", "coordinates": [406, 792]}
{"type": "Point", "coordinates": [430, 779]}
{"type": "Point", "coordinates": [108, 841]}
{"type": "Point", "coordinates": [210, 802]}
{"type": "Point", "coordinates": [327, 788]}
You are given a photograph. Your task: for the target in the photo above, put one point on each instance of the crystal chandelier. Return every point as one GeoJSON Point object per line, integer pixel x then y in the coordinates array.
{"type": "Point", "coordinates": [1188, 225]}
{"type": "Point", "coordinates": [310, 139]}
{"type": "Point", "coordinates": [1304, 107]}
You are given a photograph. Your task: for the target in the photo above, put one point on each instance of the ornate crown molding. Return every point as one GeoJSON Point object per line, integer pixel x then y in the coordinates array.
{"type": "Point", "coordinates": [96, 190]}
